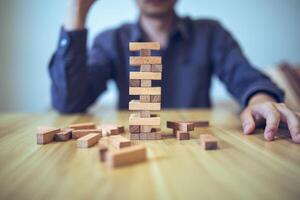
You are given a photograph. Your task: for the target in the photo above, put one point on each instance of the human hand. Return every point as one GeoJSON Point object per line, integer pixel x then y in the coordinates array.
{"type": "Point", "coordinates": [264, 109]}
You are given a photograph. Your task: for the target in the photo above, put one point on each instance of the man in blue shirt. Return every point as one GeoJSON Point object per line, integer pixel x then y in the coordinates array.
{"type": "Point", "coordinates": [192, 51]}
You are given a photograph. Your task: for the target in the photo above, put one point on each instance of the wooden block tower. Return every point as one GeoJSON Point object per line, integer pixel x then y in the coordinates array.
{"type": "Point", "coordinates": [144, 125]}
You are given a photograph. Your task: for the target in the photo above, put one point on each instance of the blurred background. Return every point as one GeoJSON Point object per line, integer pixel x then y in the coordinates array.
{"type": "Point", "coordinates": [267, 30]}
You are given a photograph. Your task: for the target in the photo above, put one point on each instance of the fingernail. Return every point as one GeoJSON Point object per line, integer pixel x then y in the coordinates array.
{"type": "Point", "coordinates": [247, 128]}
{"type": "Point", "coordinates": [269, 135]}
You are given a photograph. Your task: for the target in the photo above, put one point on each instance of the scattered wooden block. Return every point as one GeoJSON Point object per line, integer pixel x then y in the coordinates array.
{"type": "Point", "coordinates": [146, 83]}
{"type": "Point", "coordinates": [137, 105]}
{"type": "Point", "coordinates": [144, 91]}
{"type": "Point", "coordinates": [144, 98]}
{"type": "Point", "coordinates": [137, 46]}
{"type": "Point", "coordinates": [126, 156]}
{"type": "Point", "coordinates": [145, 68]}
{"type": "Point", "coordinates": [46, 135]}
{"type": "Point", "coordinates": [103, 149]}
{"type": "Point", "coordinates": [145, 52]}
{"type": "Point", "coordinates": [134, 136]}
{"type": "Point", "coordinates": [183, 126]}
{"type": "Point", "coordinates": [111, 129]}
{"type": "Point", "coordinates": [63, 135]}
{"type": "Point", "coordinates": [134, 83]}
{"type": "Point", "coordinates": [134, 128]}
{"type": "Point", "coordinates": [119, 141]}
{"type": "Point", "coordinates": [208, 142]}
{"type": "Point", "coordinates": [182, 135]}
{"type": "Point", "coordinates": [155, 98]}
{"type": "Point", "coordinates": [88, 140]}
{"type": "Point", "coordinates": [145, 75]}
{"type": "Point", "coordinates": [145, 113]}
{"type": "Point", "coordinates": [198, 123]}
{"type": "Point", "coordinates": [144, 60]}
{"type": "Point", "coordinates": [80, 126]}
{"type": "Point", "coordinates": [136, 120]}
{"type": "Point", "coordinates": [80, 133]}
{"type": "Point", "coordinates": [156, 68]}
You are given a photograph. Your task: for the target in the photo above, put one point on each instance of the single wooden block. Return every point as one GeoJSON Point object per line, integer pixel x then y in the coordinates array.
{"type": "Point", "coordinates": [143, 136]}
{"type": "Point", "coordinates": [134, 83]}
{"type": "Point", "coordinates": [134, 128]}
{"type": "Point", "coordinates": [103, 149]}
{"type": "Point", "coordinates": [134, 136]}
{"type": "Point", "coordinates": [88, 140]}
{"type": "Point", "coordinates": [136, 120]}
{"type": "Point", "coordinates": [208, 142]}
{"type": "Point", "coordinates": [146, 129]}
{"type": "Point", "coordinates": [144, 98]}
{"type": "Point", "coordinates": [144, 91]}
{"type": "Point", "coordinates": [145, 68]}
{"type": "Point", "coordinates": [126, 156]}
{"type": "Point", "coordinates": [137, 46]}
{"type": "Point", "coordinates": [156, 68]}
{"type": "Point", "coordinates": [137, 105]}
{"type": "Point", "coordinates": [155, 98]}
{"type": "Point", "coordinates": [80, 126]}
{"type": "Point", "coordinates": [179, 125]}
{"type": "Point", "coordinates": [198, 123]}
{"type": "Point", "coordinates": [46, 135]}
{"type": "Point", "coordinates": [119, 141]}
{"type": "Point", "coordinates": [145, 52]}
{"type": "Point", "coordinates": [144, 60]}
{"type": "Point", "coordinates": [80, 133]}
{"type": "Point", "coordinates": [111, 129]}
{"type": "Point", "coordinates": [145, 75]}
{"type": "Point", "coordinates": [145, 113]}
{"type": "Point", "coordinates": [146, 83]}
{"type": "Point", "coordinates": [182, 135]}
{"type": "Point", "coordinates": [63, 135]}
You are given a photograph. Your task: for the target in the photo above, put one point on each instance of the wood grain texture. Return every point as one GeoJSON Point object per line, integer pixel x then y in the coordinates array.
{"type": "Point", "coordinates": [244, 166]}
{"type": "Point", "coordinates": [145, 75]}
{"type": "Point", "coordinates": [137, 105]}
{"type": "Point", "coordinates": [144, 91]}
{"type": "Point", "coordinates": [135, 119]}
{"type": "Point", "coordinates": [145, 60]}
{"type": "Point", "coordinates": [137, 46]}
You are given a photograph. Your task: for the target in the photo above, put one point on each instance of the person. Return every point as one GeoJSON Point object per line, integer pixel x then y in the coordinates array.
{"type": "Point", "coordinates": [192, 51]}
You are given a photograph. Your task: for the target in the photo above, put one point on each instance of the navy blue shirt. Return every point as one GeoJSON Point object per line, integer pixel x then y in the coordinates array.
{"type": "Point", "coordinates": [197, 50]}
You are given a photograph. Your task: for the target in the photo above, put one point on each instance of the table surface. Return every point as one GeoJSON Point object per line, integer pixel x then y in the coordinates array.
{"type": "Point", "coordinates": [244, 167]}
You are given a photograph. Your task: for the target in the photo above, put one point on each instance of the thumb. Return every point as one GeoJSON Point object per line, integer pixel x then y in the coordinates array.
{"type": "Point", "coordinates": [248, 122]}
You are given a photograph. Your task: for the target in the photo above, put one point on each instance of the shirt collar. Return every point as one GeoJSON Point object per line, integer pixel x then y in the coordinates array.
{"type": "Point", "coordinates": [179, 27]}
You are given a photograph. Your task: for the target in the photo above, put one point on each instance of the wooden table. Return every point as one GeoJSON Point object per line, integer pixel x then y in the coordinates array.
{"type": "Point", "coordinates": [245, 167]}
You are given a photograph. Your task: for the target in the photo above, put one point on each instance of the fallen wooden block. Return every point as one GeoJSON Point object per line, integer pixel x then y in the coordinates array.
{"type": "Point", "coordinates": [144, 60]}
{"type": "Point", "coordinates": [80, 133]}
{"type": "Point", "coordinates": [179, 125]}
{"type": "Point", "coordinates": [64, 135]}
{"type": "Point", "coordinates": [208, 142]}
{"type": "Point", "coordinates": [144, 91]}
{"type": "Point", "coordinates": [46, 135]}
{"type": "Point", "coordinates": [137, 105]}
{"type": "Point", "coordinates": [88, 140]}
{"type": "Point", "coordinates": [111, 129]}
{"type": "Point", "coordinates": [198, 123]}
{"type": "Point", "coordinates": [134, 119]}
{"type": "Point", "coordinates": [103, 149]}
{"type": "Point", "coordinates": [80, 126]}
{"type": "Point", "coordinates": [182, 135]}
{"type": "Point", "coordinates": [145, 75]}
{"type": "Point", "coordinates": [137, 46]}
{"type": "Point", "coordinates": [119, 141]}
{"type": "Point", "coordinates": [126, 156]}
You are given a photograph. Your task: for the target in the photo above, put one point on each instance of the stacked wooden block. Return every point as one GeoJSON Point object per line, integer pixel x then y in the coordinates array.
{"type": "Point", "coordinates": [144, 125]}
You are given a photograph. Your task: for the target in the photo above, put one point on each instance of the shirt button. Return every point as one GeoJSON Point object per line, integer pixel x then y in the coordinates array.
{"type": "Point", "coordinates": [63, 42]}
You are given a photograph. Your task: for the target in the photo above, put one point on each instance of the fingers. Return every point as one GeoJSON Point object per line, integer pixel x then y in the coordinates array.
{"type": "Point", "coordinates": [247, 121]}
{"type": "Point", "coordinates": [272, 117]}
{"type": "Point", "coordinates": [292, 121]}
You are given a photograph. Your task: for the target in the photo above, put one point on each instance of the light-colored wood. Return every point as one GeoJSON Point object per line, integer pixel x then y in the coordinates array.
{"type": "Point", "coordinates": [89, 140]}
{"type": "Point", "coordinates": [145, 98]}
{"type": "Point", "coordinates": [80, 133]}
{"type": "Point", "coordinates": [156, 68]}
{"type": "Point", "coordinates": [144, 91]}
{"type": "Point", "coordinates": [155, 98]}
{"type": "Point", "coordinates": [145, 75]}
{"type": "Point", "coordinates": [208, 141]}
{"type": "Point", "coordinates": [119, 141]}
{"type": "Point", "coordinates": [145, 113]}
{"type": "Point", "coordinates": [137, 105]}
{"type": "Point", "coordinates": [80, 126]}
{"type": "Point", "coordinates": [244, 166]}
{"type": "Point", "coordinates": [137, 46]}
{"type": "Point", "coordinates": [64, 135]}
{"type": "Point", "coordinates": [146, 83]}
{"type": "Point", "coordinates": [46, 134]}
{"type": "Point", "coordinates": [111, 129]}
{"type": "Point", "coordinates": [146, 129]}
{"type": "Point", "coordinates": [145, 68]}
{"type": "Point", "coordinates": [144, 60]}
{"type": "Point", "coordinates": [134, 119]}
{"type": "Point", "coordinates": [145, 52]}
{"type": "Point", "coordinates": [126, 156]}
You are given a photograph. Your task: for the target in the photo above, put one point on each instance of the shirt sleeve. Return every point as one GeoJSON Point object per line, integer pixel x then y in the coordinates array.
{"type": "Point", "coordinates": [241, 79]}
{"type": "Point", "coordinates": [78, 76]}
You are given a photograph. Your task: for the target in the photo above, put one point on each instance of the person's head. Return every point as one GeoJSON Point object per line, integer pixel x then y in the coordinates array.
{"type": "Point", "coordinates": [156, 8]}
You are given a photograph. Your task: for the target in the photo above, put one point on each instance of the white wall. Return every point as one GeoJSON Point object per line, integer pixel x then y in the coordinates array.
{"type": "Point", "coordinates": [268, 31]}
